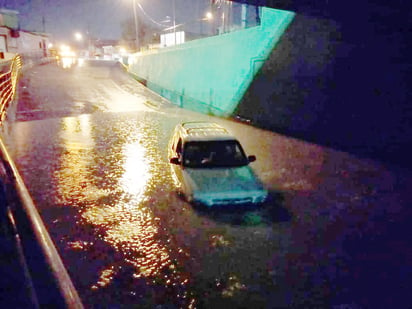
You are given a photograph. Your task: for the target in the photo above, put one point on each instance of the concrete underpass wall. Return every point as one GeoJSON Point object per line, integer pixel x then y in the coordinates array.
{"type": "Point", "coordinates": [340, 83]}
{"type": "Point", "coordinates": [211, 75]}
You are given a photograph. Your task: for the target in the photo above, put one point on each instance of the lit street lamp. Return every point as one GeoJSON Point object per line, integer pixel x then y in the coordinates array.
{"type": "Point", "coordinates": [78, 36]}
{"type": "Point", "coordinates": [208, 16]}
{"type": "Point", "coordinates": [79, 39]}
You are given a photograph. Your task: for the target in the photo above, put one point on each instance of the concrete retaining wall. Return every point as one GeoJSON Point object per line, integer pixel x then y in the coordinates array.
{"type": "Point", "coordinates": [338, 85]}
{"type": "Point", "coordinates": [211, 75]}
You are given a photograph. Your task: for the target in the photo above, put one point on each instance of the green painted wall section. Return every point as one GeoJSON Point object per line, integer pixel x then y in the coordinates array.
{"type": "Point", "coordinates": [211, 75]}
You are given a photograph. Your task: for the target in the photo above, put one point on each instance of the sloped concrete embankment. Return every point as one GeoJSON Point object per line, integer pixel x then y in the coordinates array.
{"type": "Point", "coordinates": [334, 84]}
{"type": "Point", "coordinates": [211, 75]}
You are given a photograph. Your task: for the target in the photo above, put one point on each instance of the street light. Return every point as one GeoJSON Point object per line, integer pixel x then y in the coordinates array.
{"type": "Point", "coordinates": [78, 36]}
{"type": "Point", "coordinates": [79, 39]}
{"type": "Point", "coordinates": [208, 16]}
{"type": "Point", "coordinates": [135, 25]}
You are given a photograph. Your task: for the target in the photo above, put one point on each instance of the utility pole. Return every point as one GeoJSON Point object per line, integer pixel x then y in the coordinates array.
{"type": "Point", "coordinates": [244, 16]}
{"type": "Point", "coordinates": [174, 20]}
{"type": "Point", "coordinates": [89, 49]}
{"type": "Point", "coordinates": [135, 25]}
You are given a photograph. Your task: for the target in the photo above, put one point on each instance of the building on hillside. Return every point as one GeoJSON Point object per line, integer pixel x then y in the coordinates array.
{"type": "Point", "coordinates": [13, 40]}
{"type": "Point", "coordinates": [221, 16]}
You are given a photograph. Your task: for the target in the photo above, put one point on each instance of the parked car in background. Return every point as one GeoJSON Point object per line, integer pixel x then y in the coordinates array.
{"type": "Point", "coordinates": [210, 167]}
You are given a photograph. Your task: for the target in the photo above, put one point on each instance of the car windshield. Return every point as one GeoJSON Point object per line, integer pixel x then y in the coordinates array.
{"type": "Point", "coordinates": [213, 154]}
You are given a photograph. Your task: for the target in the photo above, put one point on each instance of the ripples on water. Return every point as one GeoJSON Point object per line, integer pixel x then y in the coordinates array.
{"type": "Point", "coordinates": [127, 239]}
{"type": "Point", "coordinates": [110, 177]}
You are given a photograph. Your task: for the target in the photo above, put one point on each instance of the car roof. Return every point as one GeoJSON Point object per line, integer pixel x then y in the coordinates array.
{"type": "Point", "coordinates": [204, 131]}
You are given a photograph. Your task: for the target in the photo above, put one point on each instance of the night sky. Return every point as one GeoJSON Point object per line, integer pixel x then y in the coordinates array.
{"type": "Point", "coordinates": [102, 18]}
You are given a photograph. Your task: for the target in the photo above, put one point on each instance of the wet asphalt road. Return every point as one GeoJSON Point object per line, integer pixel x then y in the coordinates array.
{"type": "Point", "coordinates": [91, 143]}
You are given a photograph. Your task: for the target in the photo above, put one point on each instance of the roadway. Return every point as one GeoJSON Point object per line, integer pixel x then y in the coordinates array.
{"type": "Point", "coordinates": [90, 144]}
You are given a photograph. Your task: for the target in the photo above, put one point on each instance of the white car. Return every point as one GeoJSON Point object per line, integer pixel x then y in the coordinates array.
{"type": "Point", "coordinates": [210, 167]}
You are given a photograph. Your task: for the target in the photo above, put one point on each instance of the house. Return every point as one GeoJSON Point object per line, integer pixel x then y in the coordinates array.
{"type": "Point", "coordinates": [26, 43]}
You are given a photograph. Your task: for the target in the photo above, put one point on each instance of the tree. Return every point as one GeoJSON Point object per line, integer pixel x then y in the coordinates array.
{"type": "Point", "coordinates": [147, 34]}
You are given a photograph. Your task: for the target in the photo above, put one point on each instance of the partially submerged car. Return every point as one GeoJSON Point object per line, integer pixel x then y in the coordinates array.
{"type": "Point", "coordinates": [210, 167]}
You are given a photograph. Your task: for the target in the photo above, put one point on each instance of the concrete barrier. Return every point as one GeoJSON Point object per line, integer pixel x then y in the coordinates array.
{"type": "Point", "coordinates": [211, 75]}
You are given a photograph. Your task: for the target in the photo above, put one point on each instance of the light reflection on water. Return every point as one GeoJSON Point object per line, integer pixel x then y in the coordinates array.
{"type": "Point", "coordinates": [121, 213]}
{"type": "Point", "coordinates": [72, 183]}
{"type": "Point", "coordinates": [67, 62]}
{"type": "Point", "coordinates": [136, 170]}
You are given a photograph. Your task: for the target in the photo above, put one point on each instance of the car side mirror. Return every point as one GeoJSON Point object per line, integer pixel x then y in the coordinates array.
{"type": "Point", "coordinates": [175, 160]}
{"type": "Point", "coordinates": [251, 158]}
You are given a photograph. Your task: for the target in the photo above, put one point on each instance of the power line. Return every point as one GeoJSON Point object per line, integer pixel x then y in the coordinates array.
{"type": "Point", "coordinates": [149, 17]}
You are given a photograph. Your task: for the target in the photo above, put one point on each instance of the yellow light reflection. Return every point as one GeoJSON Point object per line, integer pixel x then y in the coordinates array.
{"type": "Point", "coordinates": [76, 132]}
{"type": "Point", "coordinates": [81, 62]}
{"type": "Point", "coordinates": [146, 254]}
{"type": "Point", "coordinates": [136, 170]}
{"type": "Point", "coordinates": [233, 287]}
{"type": "Point", "coordinates": [72, 183]}
{"type": "Point", "coordinates": [106, 277]}
{"type": "Point", "coordinates": [67, 62]}
{"type": "Point", "coordinates": [122, 213]}
{"type": "Point", "coordinates": [132, 227]}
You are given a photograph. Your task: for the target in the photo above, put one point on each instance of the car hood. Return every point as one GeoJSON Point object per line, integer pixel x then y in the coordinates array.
{"type": "Point", "coordinates": [215, 180]}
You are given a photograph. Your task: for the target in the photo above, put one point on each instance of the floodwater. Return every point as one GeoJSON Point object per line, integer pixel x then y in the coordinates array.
{"type": "Point", "coordinates": [91, 145]}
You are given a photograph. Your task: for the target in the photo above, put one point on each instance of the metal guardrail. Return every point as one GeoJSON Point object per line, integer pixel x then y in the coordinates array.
{"type": "Point", "coordinates": [8, 84]}
{"type": "Point", "coordinates": [46, 276]}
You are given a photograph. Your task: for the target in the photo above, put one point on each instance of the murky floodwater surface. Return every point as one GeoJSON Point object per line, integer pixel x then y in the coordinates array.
{"type": "Point", "coordinates": [93, 153]}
